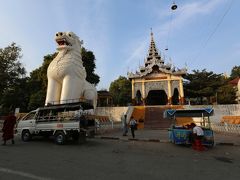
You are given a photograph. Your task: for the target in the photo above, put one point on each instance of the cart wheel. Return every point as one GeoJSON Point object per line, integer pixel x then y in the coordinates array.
{"type": "Point", "coordinates": [60, 138]}
{"type": "Point", "coordinates": [26, 136]}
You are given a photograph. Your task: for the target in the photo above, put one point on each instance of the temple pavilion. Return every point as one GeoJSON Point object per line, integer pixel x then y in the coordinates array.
{"type": "Point", "coordinates": [157, 83]}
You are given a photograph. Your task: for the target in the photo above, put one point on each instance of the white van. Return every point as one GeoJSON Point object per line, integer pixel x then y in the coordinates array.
{"type": "Point", "coordinates": [64, 122]}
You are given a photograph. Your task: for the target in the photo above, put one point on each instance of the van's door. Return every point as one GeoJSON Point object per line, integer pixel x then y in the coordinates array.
{"type": "Point", "coordinates": [27, 122]}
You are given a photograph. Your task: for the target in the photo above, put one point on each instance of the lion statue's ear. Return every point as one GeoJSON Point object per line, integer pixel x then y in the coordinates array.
{"type": "Point", "coordinates": [77, 39]}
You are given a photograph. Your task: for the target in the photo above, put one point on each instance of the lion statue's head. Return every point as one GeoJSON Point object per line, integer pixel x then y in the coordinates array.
{"type": "Point", "coordinates": [67, 41]}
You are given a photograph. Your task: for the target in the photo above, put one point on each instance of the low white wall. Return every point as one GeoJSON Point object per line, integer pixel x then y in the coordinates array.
{"type": "Point", "coordinates": [221, 110]}
{"type": "Point", "coordinates": [115, 113]}
{"type": "Point", "coordinates": [226, 128]}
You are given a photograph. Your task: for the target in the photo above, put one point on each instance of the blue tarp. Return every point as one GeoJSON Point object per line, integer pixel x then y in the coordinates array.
{"type": "Point", "coordinates": [188, 112]}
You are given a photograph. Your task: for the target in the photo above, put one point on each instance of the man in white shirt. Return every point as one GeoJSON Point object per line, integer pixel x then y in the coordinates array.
{"type": "Point", "coordinates": [198, 134]}
{"type": "Point", "coordinates": [198, 131]}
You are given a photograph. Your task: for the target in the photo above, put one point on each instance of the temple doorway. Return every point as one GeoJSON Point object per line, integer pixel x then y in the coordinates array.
{"type": "Point", "coordinates": [156, 97]}
{"type": "Point", "coordinates": [175, 98]}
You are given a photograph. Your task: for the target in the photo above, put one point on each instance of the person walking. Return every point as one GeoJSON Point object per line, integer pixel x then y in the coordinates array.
{"type": "Point", "coordinates": [133, 124]}
{"type": "Point", "coordinates": [8, 128]}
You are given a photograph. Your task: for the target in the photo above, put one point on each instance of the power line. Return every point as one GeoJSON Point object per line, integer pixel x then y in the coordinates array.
{"type": "Point", "coordinates": [213, 32]}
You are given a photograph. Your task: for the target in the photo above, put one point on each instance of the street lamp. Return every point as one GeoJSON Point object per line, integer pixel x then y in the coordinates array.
{"type": "Point", "coordinates": [174, 6]}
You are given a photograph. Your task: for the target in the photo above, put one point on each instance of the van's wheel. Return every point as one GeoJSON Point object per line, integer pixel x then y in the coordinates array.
{"type": "Point", "coordinates": [60, 138]}
{"type": "Point", "coordinates": [26, 136]}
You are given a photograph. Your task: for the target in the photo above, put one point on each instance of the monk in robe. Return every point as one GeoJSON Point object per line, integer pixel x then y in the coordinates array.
{"type": "Point", "coordinates": [8, 129]}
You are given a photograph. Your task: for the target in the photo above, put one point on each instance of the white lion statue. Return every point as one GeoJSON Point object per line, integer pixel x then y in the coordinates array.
{"type": "Point", "coordinates": [66, 74]}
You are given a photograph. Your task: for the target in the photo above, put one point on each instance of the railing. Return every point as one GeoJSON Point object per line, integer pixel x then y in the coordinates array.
{"type": "Point", "coordinates": [69, 101]}
{"type": "Point", "coordinates": [227, 128]}
{"type": "Point", "coordinates": [106, 124]}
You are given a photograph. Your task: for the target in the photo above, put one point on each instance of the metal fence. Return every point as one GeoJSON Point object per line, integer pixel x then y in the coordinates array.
{"type": "Point", "coordinates": [104, 126]}
{"type": "Point", "coordinates": [227, 128]}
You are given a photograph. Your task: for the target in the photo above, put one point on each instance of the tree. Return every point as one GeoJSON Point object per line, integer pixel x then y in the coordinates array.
{"type": "Point", "coordinates": [16, 97]}
{"type": "Point", "coordinates": [10, 67]}
{"type": "Point", "coordinates": [226, 94]}
{"type": "Point", "coordinates": [235, 72]}
{"type": "Point", "coordinates": [121, 91]}
{"type": "Point", "coordinates": [202, 84]}
{"type": "Point", "coordinates": [12, 74]}
{"type": "Point", "coordinates": [88, 59]}
{"type": "Point", "coordinates": [38, 83]}
{"type": "Point", "coordinates": [36, 100]}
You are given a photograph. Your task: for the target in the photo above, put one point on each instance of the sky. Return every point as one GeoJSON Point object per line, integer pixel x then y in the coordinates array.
{"type": "Point", "coordinates": [199, 34]}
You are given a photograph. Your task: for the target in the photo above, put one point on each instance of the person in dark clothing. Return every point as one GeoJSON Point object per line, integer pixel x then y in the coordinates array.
{"type": "Point", "coordinates": [8, 128]}
{"type": "Point", "coordinates": [133, 124]}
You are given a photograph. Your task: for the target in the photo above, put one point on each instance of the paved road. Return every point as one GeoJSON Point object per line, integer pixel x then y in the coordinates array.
{"type": "Point", "coordinates": [115, 159]}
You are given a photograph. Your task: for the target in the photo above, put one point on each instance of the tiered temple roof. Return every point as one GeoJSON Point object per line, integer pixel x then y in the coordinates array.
{"type": "Point", "coordinates": [154, 63]}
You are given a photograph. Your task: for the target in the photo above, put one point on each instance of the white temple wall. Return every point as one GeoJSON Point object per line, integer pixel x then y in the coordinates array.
{"type": "Point", "coordinates": [114, 113]}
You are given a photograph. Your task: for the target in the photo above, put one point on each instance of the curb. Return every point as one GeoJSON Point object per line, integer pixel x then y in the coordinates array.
{"type": "Point", "coordinates": [133, 139]}
{"type": "Point", "coordinates": [106, 137]}
{"type": "Point", "coordinates": [158, 140]}
{"type": "Point", "coordinates": [226, 144]}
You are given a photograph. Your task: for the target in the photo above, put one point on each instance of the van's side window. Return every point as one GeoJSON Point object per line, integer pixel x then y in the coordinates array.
{"type": "Point", "coordinates": [29, 116]}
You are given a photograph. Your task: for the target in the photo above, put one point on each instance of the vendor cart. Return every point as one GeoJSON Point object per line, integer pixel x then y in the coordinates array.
{"type": "Point", "coordinates": [181, 134]}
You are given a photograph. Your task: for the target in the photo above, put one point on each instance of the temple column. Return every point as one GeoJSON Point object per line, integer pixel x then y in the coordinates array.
{"type": "Point", "coordinates": [133, 89]}
{"type": "Point", "coordinates": [143, 92]}
{"type": "Point", "coordinates": [181, 99]}
{"type": "Point", "coordinates": [133, 98]}
{"type": "Point", "coordinates": [169, 92]}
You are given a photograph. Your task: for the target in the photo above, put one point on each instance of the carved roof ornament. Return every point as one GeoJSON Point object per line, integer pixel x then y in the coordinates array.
{"type": "Point", "coordinates": [154, 63]}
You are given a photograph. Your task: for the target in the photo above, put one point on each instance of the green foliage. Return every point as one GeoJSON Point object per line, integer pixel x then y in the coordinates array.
{"type": "Point", "coordinates": [38, 77]}
{"type": "Point", "coordinates": [12, 78]}
{"type": "Point", "coordinates": [202, 84]}
{"type": "Point", "coordinates": [11, 69]}
{"type": "Point", "coordinates": [16, 97]}
{"type": "Point", "coordinates": [121, 91]}
{"type": "Point", "coordinates": [37, 99]}
{"type": "Point", "coordinates": [38, 83]}
{"type": "Point", "coordinates": [235, 72]}
{"type": "Point", "coordinates": [88, 59]}
{"type": "Point", "coordinates": [226, 94]}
